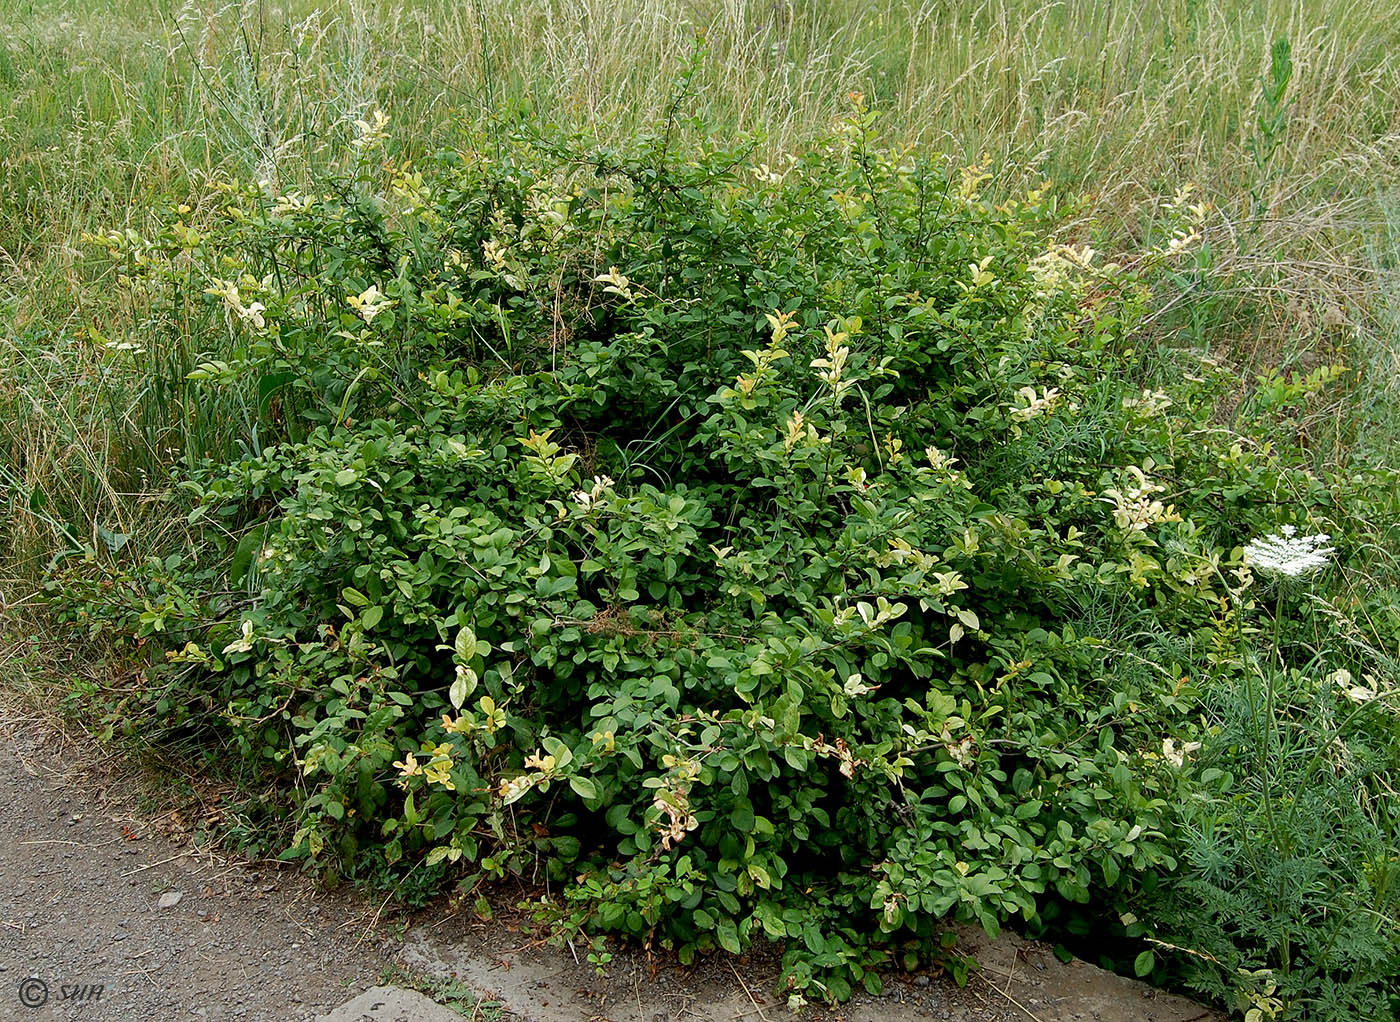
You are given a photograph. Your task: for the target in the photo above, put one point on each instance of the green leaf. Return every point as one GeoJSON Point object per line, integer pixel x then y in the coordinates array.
{"type": "Point", "coordinates": [346, 476]}
{"type": "Point", "coordinates": [459, 690]}
{"type": "Point", "coordinates": [584, 787]}
{"type": "Point", "coordinates": [114, 541]}
{"type": "Point", "coordinates": [268, 386]}
{"type": "Point", "coordinates": [796, 758]}
{"type": "Point", "coordinates": [465, 643]}
{"type": "Point", "coordinates": [1110, 871]}
{"type": "Point", "coordinates": [354, 597]}
{"type": "Point", "coordinates": [1144, 963]}
{"type": "Point", "coordinates": [371, 616]}
{"type": "Point", "coordinates": [242, 560]}
{"type": "Point", "coordinates": [727, 934]}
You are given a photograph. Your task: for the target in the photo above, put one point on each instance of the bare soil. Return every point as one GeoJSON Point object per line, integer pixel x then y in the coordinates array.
{"type": "Point", "coordinates": [106, 914]}
{"type": "Point", "coordinates": [1018, 981]}
{"type": "Point", "coordinates": [83, 930]}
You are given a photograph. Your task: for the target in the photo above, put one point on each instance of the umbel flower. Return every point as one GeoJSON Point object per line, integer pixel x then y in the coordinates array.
{"type": "Point", "coordinates": [1288, 555]}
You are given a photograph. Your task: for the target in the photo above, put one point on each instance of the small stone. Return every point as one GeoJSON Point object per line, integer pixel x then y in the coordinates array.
{"type": "Point", "coordinates": [921, 981]}
{"type": "Point", "coordinates": [170, 899]}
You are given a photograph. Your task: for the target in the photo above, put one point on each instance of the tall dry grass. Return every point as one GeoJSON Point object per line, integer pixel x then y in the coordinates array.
{"type": "Point", "coordinates": [111, 110]}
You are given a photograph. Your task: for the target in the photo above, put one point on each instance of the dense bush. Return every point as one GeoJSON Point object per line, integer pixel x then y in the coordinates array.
{"type": "Point", "coordinates": [811, 554]}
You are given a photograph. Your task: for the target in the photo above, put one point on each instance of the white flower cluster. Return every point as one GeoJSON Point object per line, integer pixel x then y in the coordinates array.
{"type": "Point", "coordinates": [244, 642]}
{"type": "Point", "coordinates": [293, 202]}
{"type": "Point", "coordinates": [369, 303]}
{"type": "Point", "coordinates": [513, 789]}
{"type": "Point", "coordinates": [1134, 509]}
{"type": "Point", "coordinates": [764, 175]}
{"type": "Point", "coordinates": [371, 131]}
{"type": "Point", "coordinates": [1366, 692]}
{"type": "Point", "coordinates": [1177, 757]}
{"type": "Point", "coordinates": [1036, 404]}
{"type": "Point", "coordinates": [1149, 404]}
{"type": "Point", "coordinates": [228, 291]}
{"type": "Point", "coordinates": [596, 495]}
{"type": "Point", "coordinates": [617, 283]}
{"type": "Point", "coordinates": [1287, 554]}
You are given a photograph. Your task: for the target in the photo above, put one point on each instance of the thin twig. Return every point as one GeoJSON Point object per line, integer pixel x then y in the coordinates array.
{"type": "Point", "coordinates": [76, 844]}
{"type": "Point", "coordinates": [991, 986]}
{"type": "Point", "coordinates": [132, 972]}
{"type": "Point", "coordinates": [747, 991]}
{"type": "Point", "coordinates": [153, 865]}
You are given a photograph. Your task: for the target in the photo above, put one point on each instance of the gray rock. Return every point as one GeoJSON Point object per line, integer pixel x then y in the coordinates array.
{"type": "Point", "coordinates": [390, 1004]}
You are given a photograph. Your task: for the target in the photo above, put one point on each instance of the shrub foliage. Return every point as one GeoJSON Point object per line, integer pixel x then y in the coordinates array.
{"type": "Point", "coordinates": [806, 553]}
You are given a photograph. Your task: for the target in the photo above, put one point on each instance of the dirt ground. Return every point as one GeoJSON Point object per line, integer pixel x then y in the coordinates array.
{"type": "Point", "coordinates": [1018, 982]}
{"type": "Point", "coordinates": [106, 915]}
{"type": "Point", "coordinates": [93, 896]}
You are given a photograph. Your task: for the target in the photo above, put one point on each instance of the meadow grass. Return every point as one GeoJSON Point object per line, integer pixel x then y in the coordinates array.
{"type": "Point", "coordinates": [110, 112]}
{"type": "Point", "coordinates": [107, 108]}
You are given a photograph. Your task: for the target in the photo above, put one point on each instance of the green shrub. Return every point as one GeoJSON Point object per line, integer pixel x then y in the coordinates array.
{"type": "Point", "coordinates": [807, 554]}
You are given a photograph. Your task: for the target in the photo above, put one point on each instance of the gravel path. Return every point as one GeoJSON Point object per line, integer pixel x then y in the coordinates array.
{"type": "Point", "coordinates": [102, 917]}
